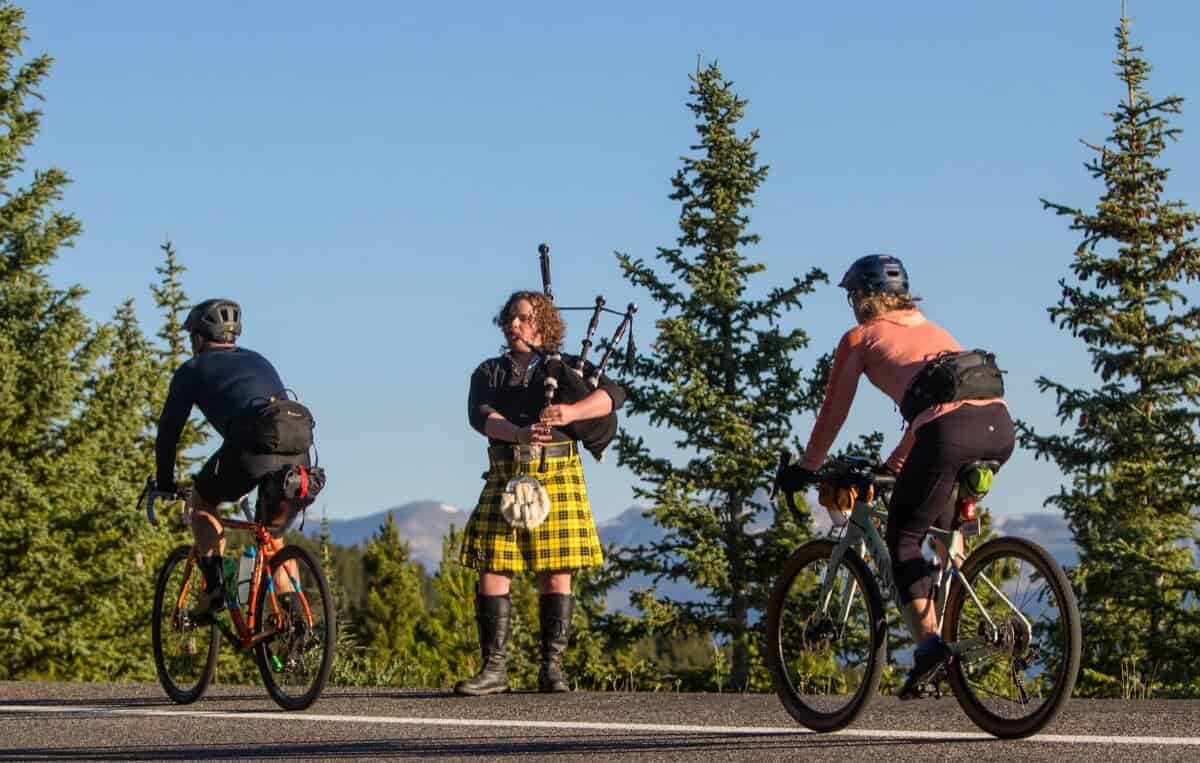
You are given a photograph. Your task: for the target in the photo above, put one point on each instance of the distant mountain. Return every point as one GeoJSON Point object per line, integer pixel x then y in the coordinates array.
{"type": "Point", "coordinates": [1049, 531]}
{"type": "Point", "coordinates": [630, 528]}
{"type": "Point", "coordinates": [422, 523]}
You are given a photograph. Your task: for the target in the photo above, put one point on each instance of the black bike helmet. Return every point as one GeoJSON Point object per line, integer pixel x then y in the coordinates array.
{"type": "Point", "coordinates": [218, 320]}
{"type": "Point", "coordinates": [876, 274]}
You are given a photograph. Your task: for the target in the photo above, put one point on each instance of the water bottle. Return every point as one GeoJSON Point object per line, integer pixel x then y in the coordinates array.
{"type": "Point", "coordinates": [230, 569]}
{"type": "Point", "coordinates": [245, 573]}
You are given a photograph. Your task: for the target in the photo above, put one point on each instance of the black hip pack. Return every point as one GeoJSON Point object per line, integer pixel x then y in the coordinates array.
{"type": "Point", "coordinates": [278, 426]}
{"type": "Point", "coordinates": [953, 376]}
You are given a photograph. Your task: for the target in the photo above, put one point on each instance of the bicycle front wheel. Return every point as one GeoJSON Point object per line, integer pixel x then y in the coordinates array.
{"type": "Point", "coordinates": [825, 653]}
{"type": "Point", "coordinates": [1019, 637]}
{"type": "Point", "coordinates": [296, 603]}
{"type": "Point", "coordinates": [185, 654]}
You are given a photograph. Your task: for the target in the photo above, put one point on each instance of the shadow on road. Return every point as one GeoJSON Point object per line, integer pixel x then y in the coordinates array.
{"type": "Point", "coordinates": [489, 747]}
{"type": "Point", "coordinates": [223, 698]}
{"type": "Point", "coordinates": [131, 702]}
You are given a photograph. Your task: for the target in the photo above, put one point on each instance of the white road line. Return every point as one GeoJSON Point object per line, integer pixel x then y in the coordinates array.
{"type": "Point", "coordinates": [665, 728]}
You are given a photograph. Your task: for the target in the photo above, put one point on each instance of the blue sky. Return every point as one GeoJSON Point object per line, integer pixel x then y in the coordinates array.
{"type": "Point", "coordinates": [371, 179]}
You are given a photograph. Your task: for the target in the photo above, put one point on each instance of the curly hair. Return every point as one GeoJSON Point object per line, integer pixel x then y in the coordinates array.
{"type": "Point", "coordinates": [870, 306]}
{"type": "Point", "coordinates": [549, 322]}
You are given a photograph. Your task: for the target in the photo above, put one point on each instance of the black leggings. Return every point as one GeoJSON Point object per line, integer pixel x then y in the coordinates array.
{"type": "Point", "coordinates": [924, 493]}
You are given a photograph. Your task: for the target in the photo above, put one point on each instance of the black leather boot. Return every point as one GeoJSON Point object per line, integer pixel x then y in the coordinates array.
{"type": "Point", "coordinates": [555, 615]}
{"type": "Point", "coordinates": [494, 616]}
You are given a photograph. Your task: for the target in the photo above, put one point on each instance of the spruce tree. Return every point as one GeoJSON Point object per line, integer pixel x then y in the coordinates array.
{"type": "Point", "coordinates": [172, 300]}
{"type": "Point", "coordinates": [722, 380]}
{"type": "Point", "coordinates": [108, 553]}
{"type": "Point", "coordinates": [1131, 452]}
{"type": "Point", "coordinates": [394, 606]}
{"type": "Point", "coordinates": [46, 353]}
{"type": "Point", "coordinates": [451, 626]}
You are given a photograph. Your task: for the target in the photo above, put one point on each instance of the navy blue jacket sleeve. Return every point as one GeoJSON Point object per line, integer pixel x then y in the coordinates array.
{"type": "Point", "coordinates": [177, 408]}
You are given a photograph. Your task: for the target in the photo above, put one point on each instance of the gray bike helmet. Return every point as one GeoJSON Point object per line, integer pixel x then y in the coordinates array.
{"type": "Point", "coordinates": [876, 274]}
{"type": "Point", "coordinates": [218, 320]}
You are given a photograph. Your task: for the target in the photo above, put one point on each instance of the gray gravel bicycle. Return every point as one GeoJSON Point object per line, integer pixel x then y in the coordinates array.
{"type": "Point", "coordinates": [1006, 612]}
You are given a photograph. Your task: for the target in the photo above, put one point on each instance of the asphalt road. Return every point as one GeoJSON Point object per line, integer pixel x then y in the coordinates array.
{"type": "Point", "coordinates": [61, 721]}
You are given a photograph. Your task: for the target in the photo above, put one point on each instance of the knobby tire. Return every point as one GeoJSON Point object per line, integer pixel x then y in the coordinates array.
{"type": "Point", "coordinates": [318, 595]}
{"type": "Point", "coordinates": [164, 604]}
{"type": "Point", "coordinates": [796, 703]}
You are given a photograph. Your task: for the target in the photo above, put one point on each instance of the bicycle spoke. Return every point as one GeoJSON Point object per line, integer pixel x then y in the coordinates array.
{"type": "Point", "coordinates": [295, 662]}
{"type": "Point", "coordinates": [997, 695]}
{"type": "Point", "coordinates": [825, 650]}
{"type": "Point", "coordinates": [1020, 610]}
{"type": "Point", "coordinates": [184, 653]}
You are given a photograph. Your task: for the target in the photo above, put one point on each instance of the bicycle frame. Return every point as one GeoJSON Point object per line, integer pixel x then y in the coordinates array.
{"type": "Point", "coordinates": [242, 636]}
{"type": "Point", "coordinates": [861, 535]}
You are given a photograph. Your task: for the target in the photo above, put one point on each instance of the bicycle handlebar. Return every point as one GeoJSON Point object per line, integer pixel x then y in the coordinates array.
{"type": "Point", "coordinates": [856, 469]}
{"type": "Point", "coordinates": [846, 469]}
{"type": "Point", "coordinates": [150, 494]}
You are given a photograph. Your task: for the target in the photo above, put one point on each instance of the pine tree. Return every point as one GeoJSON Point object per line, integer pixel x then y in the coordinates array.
{"type": "Point", "coordinates": [721, 378]}
{"type": "Point", "coordinates": [46, 352]}
{"type": "Point", "coordinates": [1133, 455]}
{"type": "Point", "coordinates": [172, 300]}
{"type": "Point", "coordinates": [394, 606]}
{"type": "Point", "coordinates": [109, 553]}
{"type": "Point", "coordinates": [451, 627]}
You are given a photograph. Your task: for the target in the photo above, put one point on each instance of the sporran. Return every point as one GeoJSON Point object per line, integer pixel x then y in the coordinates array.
{"type": "Point", "coordinates": [525, 503]}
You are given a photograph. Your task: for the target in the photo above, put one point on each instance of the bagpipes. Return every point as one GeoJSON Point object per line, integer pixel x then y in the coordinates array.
{"type": "Point", "coordinates": [568, 383]}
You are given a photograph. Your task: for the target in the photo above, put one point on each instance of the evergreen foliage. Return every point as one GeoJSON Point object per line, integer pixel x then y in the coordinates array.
{"type": "Point", "coordinates": [172, 300]}
{"type": "Point", "coordinates": [722, 379]}
{"type": "Point", "coordinates": [1132, 454]}
{"type": "Point", "coordinates": [57, 392]}
{"type": "Point", "coordinates": [394, 602]}
{"type": "Point", "coordinates": [451, 622]}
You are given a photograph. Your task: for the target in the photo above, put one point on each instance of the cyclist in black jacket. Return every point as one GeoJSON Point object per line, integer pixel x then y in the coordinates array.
{"type": "Point", "coordinates": [224, 381]}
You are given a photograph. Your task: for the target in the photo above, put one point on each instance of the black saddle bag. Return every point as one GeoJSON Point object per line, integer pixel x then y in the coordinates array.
{"type": "Point", "coordinates": [288, 492]}
{"type": "Point", "coordinates": [278, 426]}
{"type": "Point", "coordinates": [953, 376]}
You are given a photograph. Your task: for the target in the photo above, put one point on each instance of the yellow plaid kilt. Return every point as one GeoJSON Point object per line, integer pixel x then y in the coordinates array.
{"type": "Point", "coordinates": [567, 540]}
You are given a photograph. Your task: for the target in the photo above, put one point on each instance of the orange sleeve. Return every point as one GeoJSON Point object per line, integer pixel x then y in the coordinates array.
{"type": "Point", "coordinates": [848, 365]}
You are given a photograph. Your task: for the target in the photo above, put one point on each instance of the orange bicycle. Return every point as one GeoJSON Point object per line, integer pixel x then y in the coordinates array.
{"type": "Point", "coordinates": [287, 619]}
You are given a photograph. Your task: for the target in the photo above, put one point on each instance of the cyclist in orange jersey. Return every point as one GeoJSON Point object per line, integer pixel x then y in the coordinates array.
{"type": "Point", "coordinates": [891, 344]}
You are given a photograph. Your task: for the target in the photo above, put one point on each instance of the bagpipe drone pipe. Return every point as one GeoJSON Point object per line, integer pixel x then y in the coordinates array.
{"type": "Point", "coordinates": [574, 381]}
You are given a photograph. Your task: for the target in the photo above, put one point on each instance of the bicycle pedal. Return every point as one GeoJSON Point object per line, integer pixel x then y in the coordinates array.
{"type": "Point", "coordinates": [923, 691]}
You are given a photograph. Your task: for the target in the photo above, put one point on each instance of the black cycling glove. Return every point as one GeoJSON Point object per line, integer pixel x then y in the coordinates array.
{"type": "Point", "coordinates": [793, 478]}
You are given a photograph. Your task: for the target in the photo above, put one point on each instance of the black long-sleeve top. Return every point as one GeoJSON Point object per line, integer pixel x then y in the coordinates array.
{"type": "Point", "coordinates": [223, 383]}
{"type": "Point", "coordinates": [518, 393]}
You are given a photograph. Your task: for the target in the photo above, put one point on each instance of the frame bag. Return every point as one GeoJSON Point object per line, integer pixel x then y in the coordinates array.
{"type": "Point", "coordinates": [953, 376]}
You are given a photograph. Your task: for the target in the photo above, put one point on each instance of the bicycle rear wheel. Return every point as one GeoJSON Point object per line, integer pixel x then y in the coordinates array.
{"type": "Point", "coordinates": [295, 663]}
{"type": "Point", "coordinates": [1015, 677]}
{"type": "Point", "coordinates": [826, 658]}
{"type": "Point", "coordinates": [185, 655]}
